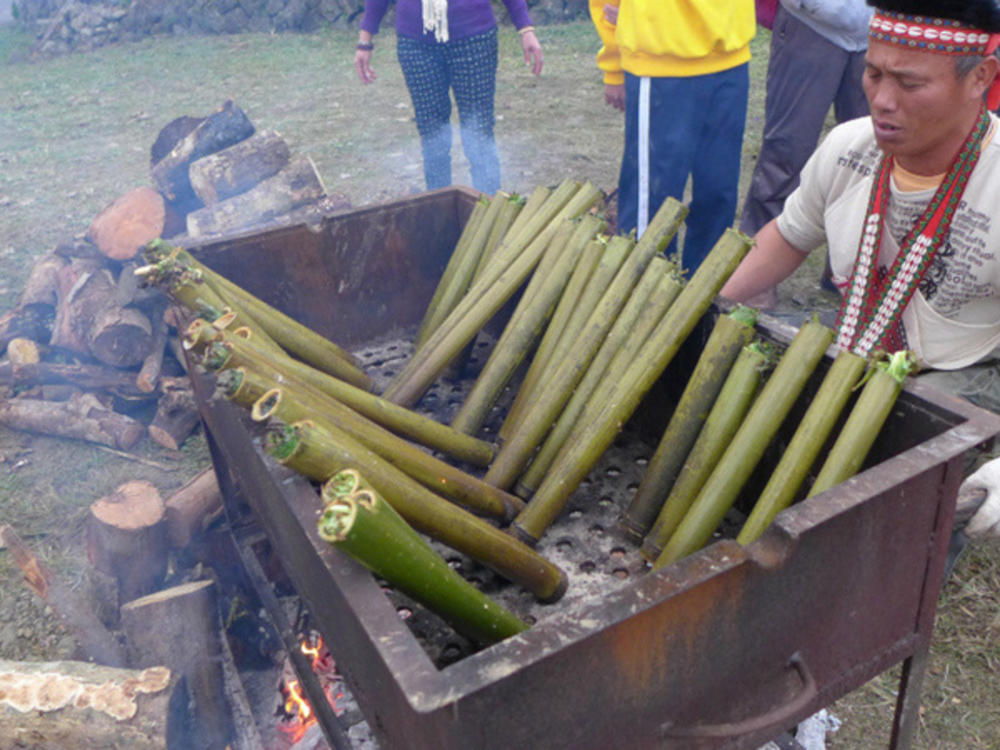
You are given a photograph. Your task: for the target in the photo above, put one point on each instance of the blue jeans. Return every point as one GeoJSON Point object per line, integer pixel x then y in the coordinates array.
{"type": "Point", "coordinates": [467, 67]}
{"type": "Point", "coordinates": [695, 128]}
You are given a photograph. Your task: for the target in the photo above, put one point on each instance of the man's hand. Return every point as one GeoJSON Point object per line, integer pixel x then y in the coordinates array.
{"type": "Point", "coordinates": [614, 94]}
{"type": "Point", "coordinates": [363, 59]}
{"type": "Point", "coordinates": [532, 51]}
{"type": "Point", "coordinates": [985, 522]}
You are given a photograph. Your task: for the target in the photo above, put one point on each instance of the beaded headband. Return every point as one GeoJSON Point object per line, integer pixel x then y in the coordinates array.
{"type": "Point", "coordinates": [943, 36]}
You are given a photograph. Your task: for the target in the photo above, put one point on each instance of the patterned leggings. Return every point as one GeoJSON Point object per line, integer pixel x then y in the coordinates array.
{"type": "Point", "coordinates": [468, 67]}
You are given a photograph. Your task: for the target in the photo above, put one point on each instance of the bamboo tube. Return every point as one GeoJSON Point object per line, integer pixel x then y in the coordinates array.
{"type": "Point", "coordinates": [729, 335]}
{"type": "Point", "coordinates": [291, 404]}
{"type": "Point", "coordinates": [483, 301]}
{"type": "Point", "coordinates": [457, 283]}
{"type": "Point", "coordinates": [569, 302]}
{"type": "Point", "coordinates": [555, 390]}
{"type": "Point", "coordinates": [398, 419]}
{"type": "Point", "coordinates": [368, 529]}
{"type": "Point", "coordinates": [290, 334]}
{"type": "Point", "coordinates": [527, 321]}
{"type": "Point", "coordinates": [882, 388]}
{"type": "Point", "coordinates": [614, 253]}
{"type": "Point", "coordinates": [656, 290]}
{"type": "Point", "coordinates": [539, 196]}
{"type": "Point", "coordinates": [611, 405]}
{"type": "Point", "coordinates": [319, 454]}
{"type": "Point", "coordinates": [460, 257]}
{"type": "Point", "coordinates": [509, 212]}
{"type": "Point", "coordinates": [748, 445]}
{"type": "Point", "coordinates": [724, 419]}
{"type": "Point", "coordinates": [530, 239]}
{"type": "Point", "coordinates": [187, 286]}
{"type": "Point", "coordinates": [816, 425]}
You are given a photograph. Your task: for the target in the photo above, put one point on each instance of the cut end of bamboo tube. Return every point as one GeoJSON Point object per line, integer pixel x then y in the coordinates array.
{"type": "Point", "coordinates": [343, 483]}
{"type": "Point", "coordinates": [265, 406]}
{"type": "Point", "coordinates": [559, 592]}
{"type": "Point", "coordinates": [216, 356]}
{"type": "Point", "coordinates": [337, 519]}
{"type": "Point", "coordinates": [283, 441]}
{"type": "Point", "coordinates": [229, 382]}
{"type": "Point", "coordinates": [632, 530]}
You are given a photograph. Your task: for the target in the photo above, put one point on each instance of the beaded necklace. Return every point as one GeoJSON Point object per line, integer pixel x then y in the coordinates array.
{"type": "Point", "coordinates": [869, 316]}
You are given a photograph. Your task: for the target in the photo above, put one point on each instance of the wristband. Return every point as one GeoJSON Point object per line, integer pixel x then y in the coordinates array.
{"type": "Point", "coordinates": [526, 29]}
{"type": "Point", "coordinates": [366, 46]}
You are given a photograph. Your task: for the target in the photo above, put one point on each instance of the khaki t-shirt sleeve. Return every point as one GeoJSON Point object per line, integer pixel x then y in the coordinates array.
{"type": "Point", "coordinates": [801, 222]}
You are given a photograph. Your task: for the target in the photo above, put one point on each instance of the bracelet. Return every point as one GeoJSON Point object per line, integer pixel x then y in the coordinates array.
{"type": "Point", "coordinates": [526, 29]}
{"type": "Point", "coordinates": [366, 46]}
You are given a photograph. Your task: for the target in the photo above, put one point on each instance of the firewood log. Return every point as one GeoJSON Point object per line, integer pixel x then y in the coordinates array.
{"type": "Point", "coordinates": [128, 223]}
{"type": "Point", "coordinates": [236, 169]}
{"type": "Point", "coordinates": [179, 627]}
{"type": "Point", "coordinates": [83, 417]}
{"type": "Point", "coordinates": [152, 365]}
{"type": "Point", "coordinates": [86, 376]}
{"type": "Point", "coordinates": [176, 415]}
{"type": "Point", "coordinates": [73, 705]}
{"type": "Point", "coordinates": [127, 538]}
{"type": "Point", "coordinates": [90, 321]}
{"type": "Point", "coordinates": [296, 185]}
{"type": "Point", "coordinates": [192, 507]}
{"type": "Point", "coordinates": [43, 281]}
{"type": "Point", "coordinates": [223, 128]}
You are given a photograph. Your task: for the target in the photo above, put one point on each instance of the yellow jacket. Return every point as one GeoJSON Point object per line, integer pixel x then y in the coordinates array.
{"type": "Point", "coordinates": [673, 38]}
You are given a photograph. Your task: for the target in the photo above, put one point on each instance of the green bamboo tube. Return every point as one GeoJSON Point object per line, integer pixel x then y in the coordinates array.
{"type": "Point", "coordinates": [242, 386]}
{"type": "Point", "coordinates": [234, 320]}
{"type": "Point", "coordinates": [816, 425]}
{"type": "Point", "coordinates": [539, 196]}
{"type": "Point", "coordinates": [319, 454]}
{"type": "Point", "coordinates": [290, 404]}
{"type": "Point", "coordinates": [366, 528]}
{"type": "Point", "coordinates": [569, 302]}
{"type": "Point", "coordinates": [729, 335]}
{"type": "Point", "coordinates": [484, 300]}
{"type": "Point", "coordinates": [400, 420]}
{"type": "Point", "coordinates": [459, 258]}
{"type": "Point", "coordinates": [874, 405]}
{"type": "Point", "coordinates": [199, 334]}
{"type": "Point", "coordinates": [556, 389]}
{"type": "Point", "coordinates": [509, 212]}
{"type": "Point", "coordinates": [611, 253]}
{"type": "Point", "coordinates": [743, 454]}
{"type": "Point", "coordinates": [526, 246]}
{"type": "Point", "coordinates": [290, 334]}
{"type": "Point", "coordinates": [612, 404]}
{"type": "Point", "coordinates": [457, 283]}
{"type": "Point", "coordinates": [659, 274]}
{"type": "Point", "coordinates": [724, 419]}
{"type": "Point", "coordinates": [527, 321]}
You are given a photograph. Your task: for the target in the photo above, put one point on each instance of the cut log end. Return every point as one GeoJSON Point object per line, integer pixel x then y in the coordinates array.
{"type": "Point", "coordinates": [131, 221]}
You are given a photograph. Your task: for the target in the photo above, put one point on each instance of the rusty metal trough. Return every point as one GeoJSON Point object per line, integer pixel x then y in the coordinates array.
{"type": "Point", "coordinates": [723, 649]}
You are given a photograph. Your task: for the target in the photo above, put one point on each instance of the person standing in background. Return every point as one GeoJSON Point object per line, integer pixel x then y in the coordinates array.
{"type": "Point", "coordinates": [817, 60]}
{"type": "Point", "coordinates": [449, 47]}
{"type": "Point", "coordinates": [679, 71]}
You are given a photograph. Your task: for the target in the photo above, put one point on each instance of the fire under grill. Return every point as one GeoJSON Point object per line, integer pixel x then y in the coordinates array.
{"type": "Point", "coordinates": [725, 648]}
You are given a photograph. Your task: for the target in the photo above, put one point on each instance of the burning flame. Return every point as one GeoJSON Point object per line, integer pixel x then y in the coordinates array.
{"type": "Point", "coordinates": [298, 706]}
{"type": "Point", "coordinates": [300, 713]}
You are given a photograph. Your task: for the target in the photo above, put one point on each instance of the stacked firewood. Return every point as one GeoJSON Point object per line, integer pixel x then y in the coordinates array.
{"type": "Point", "coordinates": [85, 346]}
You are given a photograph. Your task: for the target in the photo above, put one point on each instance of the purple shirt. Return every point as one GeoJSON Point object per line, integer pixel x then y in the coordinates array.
{"type": "Point", "coordinates": [465, 17]}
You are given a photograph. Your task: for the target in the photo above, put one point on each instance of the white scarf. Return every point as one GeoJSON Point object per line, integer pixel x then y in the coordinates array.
{"type": "Point", "coordinates": [435, 14]}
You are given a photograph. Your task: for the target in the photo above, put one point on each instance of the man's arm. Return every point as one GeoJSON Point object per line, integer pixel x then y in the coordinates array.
{"type": "Point", "coordinates": [771, 260]}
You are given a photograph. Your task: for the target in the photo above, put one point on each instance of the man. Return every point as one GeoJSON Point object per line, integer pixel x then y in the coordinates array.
{"type": "Point", "coordinates": [905, 200]}
{"type": "Point", "coordinates": [679, 71]}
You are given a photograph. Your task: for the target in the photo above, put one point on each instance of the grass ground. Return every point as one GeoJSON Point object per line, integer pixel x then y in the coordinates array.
{"type": "Point", "coordinates": [75, 133]}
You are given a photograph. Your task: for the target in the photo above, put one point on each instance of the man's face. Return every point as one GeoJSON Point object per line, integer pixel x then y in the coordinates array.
{"type": "Point", "coordinates": [921, 110]}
